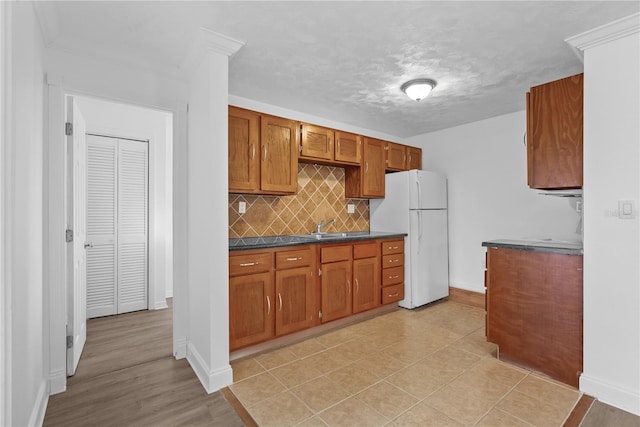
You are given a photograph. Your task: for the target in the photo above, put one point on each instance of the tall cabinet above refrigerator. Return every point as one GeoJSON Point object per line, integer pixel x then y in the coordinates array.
{"type": "Point", "coordinates": [416, 203]}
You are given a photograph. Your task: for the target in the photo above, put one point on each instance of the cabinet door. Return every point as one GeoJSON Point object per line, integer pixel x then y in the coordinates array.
{"type": "Point", "coordinates": [396, 157]}
{"type": "Point", "coordinates": [251, 308]}
{"type": "Point", "coordinates": [373, 168]}
{"type": "Point", "coordinates": [279, 155]}
{"type": "Point", "coordinates": [316, 142]}
{"type": "Point", "coordinates": [554, 134]}
{"type": "Point", "coordinates": [348, 147]}
{"type": "Point", "coordinates": [244, 156]}
{"type": "Point", "coordinates": [295, 300]}
{"type": "Point", "coordinates": [366, 284]}
{"type": "Point", "coordinates": [414, 158]}
{"type": "Point", "coordinates": [336, 290]}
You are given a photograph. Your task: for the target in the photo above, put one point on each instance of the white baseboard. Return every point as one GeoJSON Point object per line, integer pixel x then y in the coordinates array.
{"type": "Point", "coordinates": [622, 398]}
{"type": "Point", "coordinates": [180, 348]}
{"type": "Point", "coordinates": [40, 407]}
{"type": "Point", "coordinates": [212, 381]}
{"type": "Point", "coordinates": [159, 305]}
{"type": "Point", "coordinates": [58, 382]}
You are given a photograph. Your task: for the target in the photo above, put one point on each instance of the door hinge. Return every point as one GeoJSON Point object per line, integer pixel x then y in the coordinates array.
{"type": "Point", "coordinates": [69, 341]}
{"type": "Point", "coordinates": [68, 128]}
{"type": "Point", "coordinates": [68, 236]}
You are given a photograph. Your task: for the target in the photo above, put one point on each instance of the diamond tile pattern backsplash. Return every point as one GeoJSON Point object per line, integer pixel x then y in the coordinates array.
{"type": "Point", "coordinates": [320, 197]}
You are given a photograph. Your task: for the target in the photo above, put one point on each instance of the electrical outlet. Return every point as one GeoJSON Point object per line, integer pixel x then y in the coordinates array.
{"type": "Point", "coordinates": [351, 208]}
{"type": "Point", "coordinates": [242, 207]}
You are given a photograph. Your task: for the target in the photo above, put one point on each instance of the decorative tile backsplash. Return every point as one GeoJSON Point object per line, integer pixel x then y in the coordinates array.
{"type": "Point", "coordinates": [320, 197]}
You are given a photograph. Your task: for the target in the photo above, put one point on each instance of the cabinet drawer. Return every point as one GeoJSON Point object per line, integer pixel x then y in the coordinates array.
{"type": "Point", "coordinates": [392, 276]}
{"type": "Point", "coordinates": [291, 259]}
{"type": "Point", "coordinates": [392, 293]}
{"type": "Point", "coordinates": [365, 250]}
{"type": "Point", "coordinates": [250, 263]}
{"type": "Point", "coordinates": [392, 260]}
{"type": "Point", "coordinates": [392, 247]}
{"type": "Point", "coordinates": [335, 253]}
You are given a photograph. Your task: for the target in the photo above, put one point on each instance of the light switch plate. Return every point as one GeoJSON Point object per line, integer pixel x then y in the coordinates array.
{"type": "Point", "coordinates": [351, 208]}
{"type": "Point", "coordinates": [242, 207]}
{"type": "Point", "coordinates": [626, 209]}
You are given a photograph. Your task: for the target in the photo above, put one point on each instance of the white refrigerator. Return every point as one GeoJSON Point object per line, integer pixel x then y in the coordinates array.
{"type": "Point", "coordinates": [416, 203]}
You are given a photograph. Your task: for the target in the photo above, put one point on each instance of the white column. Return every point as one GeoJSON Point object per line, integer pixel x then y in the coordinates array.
{"type": "Point", "coordinates": [611, 370]}
{"type": "Point", "coordinates": [207, 223]}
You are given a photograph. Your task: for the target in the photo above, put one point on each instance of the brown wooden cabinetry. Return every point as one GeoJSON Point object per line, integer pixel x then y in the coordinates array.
{"type": "Point", "coordinates": [263, 153]}
{"type": "Point", "coordinates": [366, 276]}
{"type": "Point", "coordinates": [392, 271]}
{"type": "Point", "coordinates": [368, 179]}
{"type": "Point", "coordinates": [554, 134]}
{"type": "Point", "coordinates": [250, 299]}
{"type": "Point", "coordinates": [534, 310]}
{"type": "Point", "coordinates": [335, 282]}
{"type": "Point", "coordinates": [396, 157]}
{"type": "Point", "coordinates": [294, 290]}
{"type": "Point", "coordinates": [327, 146]}
{"type": "Point", "coordinates": [414, 158]}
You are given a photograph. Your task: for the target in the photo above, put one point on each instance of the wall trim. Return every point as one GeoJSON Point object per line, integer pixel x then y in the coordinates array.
{"type": "Point", "coordinates": [211, 380]}
{"type": "Point", "coordinates": [623, 398]}
{"type": "Point", "coordinates": [179, 347]}
{"type": "Point", "coordinates": [463, 296]}
{"type": "Point", "coordinates": [40, 407]}
{"type": "Point", "coordinates": [605, 33]}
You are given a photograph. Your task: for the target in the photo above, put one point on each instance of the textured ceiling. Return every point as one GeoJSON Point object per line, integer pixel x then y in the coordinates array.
{"type": "Point", "coordinates": [345, 61]}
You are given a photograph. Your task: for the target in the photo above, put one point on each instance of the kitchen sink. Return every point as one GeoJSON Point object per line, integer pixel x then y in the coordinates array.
{"type": "Point", "coordinates": [332, 236]}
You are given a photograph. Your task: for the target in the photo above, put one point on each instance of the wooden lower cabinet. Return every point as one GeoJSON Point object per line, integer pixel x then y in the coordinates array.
{"type": "Point", "coordinates": [295, 300]}
{"type": "Point", "coordinates": [534, 310]}
{"type": "Point", "coordinates": [336, 290]}
{"type": "Point", "coordinates": [251, 309]}
{"type": "Point", "coordinates": [366, 284]}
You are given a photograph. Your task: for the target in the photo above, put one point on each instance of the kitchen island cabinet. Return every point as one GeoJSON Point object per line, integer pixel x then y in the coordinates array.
{"type": "Point", "coordinates": [554, 134]}
{"type": "Point", "coordinates": [534, 309]}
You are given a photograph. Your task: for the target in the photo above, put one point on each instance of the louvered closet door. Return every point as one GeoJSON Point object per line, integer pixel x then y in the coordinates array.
{"type": "Point", "coordinates": [102, 165]}
{"type": "Point", "coordinates": [117, 218]}
{"type": "Point", "coordinates": [132, 225]}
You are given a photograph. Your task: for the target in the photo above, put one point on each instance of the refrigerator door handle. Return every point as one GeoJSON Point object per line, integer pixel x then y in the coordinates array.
{"type": "Point", "coordinates": [419, 229]}
{"type": "Point", "coordinates": [419, 195]}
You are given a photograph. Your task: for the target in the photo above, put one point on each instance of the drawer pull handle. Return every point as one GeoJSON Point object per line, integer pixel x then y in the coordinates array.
{"type": "Point", "coordinates": [294, 258]}
{"type": "Point", "coordinates": [394, 277]}
{"type": "Point", "coordinates": [394, 295]}
{"type": "Point", "coordinates": [248, 264]}
{"type": "Point", "coordinates": [395, 247]}
{"type": "Point", "coordinates": [394, 260]}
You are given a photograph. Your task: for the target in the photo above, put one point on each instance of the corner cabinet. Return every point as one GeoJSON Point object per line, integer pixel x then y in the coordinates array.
{"type": "Point", "coordinates": [534, 310]}
{"type": "Point", "coordinates": [263, 153]}
{"type": "Point", "coordinates": [367, 180]}
{"type": "Point", "coordinates": [555, 134]}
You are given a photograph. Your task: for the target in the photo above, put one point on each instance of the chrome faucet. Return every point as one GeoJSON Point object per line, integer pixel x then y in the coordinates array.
{"type": "Point", "coordinates": [321, 225]}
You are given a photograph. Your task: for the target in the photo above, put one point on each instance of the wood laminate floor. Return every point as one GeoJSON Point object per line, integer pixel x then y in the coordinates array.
{"type": "Point", "coordinates": [127, 376]}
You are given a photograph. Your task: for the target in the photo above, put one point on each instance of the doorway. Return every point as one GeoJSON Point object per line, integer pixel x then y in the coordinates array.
{"type": "Point", "coordinates": [117, 225]}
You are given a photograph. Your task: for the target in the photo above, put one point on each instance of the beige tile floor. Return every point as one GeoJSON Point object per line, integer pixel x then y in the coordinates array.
{"type": "Point", "coordinates": [425, 367]}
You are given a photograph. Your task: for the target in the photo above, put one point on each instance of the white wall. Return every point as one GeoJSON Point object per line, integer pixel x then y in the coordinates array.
{"type": "Point", "coordinates": [122, 120]}
{"type": "Point", "coordinates": [24, 221]}
{"type": "Point", "coordinates": [486, 167]}
{"type": "Point", "coordinates": [612, 245]}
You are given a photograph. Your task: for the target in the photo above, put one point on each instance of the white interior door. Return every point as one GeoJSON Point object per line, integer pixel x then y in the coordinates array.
{"type": "Point", "coordinates": [117, 193]}
{"type": "Point", "coordinates": [77, 311]}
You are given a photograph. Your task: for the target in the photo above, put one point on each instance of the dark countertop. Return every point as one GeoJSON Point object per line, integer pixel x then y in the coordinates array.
{"type": "Point", "coordinates": [277, 241]}
{"type": "Point", "coordinates": [542, 245]}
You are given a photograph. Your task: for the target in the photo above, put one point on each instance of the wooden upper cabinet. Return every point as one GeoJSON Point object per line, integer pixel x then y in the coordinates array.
{"type": "Point", "coordinates": [279, 155]}
{"type": "Point", "coordinates": [244, 147]}
{"type": "Point", "coordinates": [316, 143]}
{"type": "Point", "coordinates": [367, 181]}
{"type": "Point", "coordinates": [328, 146]}
{"type": "Point", "coordinates": [554, 134]}
{"type": "Point", "coordinates": [414, 158]}
{"type": "Point", "coordinates": [396, 157]}
{"type": "Point", "coordinates": [348, 147]}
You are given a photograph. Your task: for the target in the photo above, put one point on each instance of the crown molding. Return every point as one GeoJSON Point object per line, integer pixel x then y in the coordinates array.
{"type": "Point", "coordinates": [604, 34]}
{"type": "Point", "coordinates": [208, 41]}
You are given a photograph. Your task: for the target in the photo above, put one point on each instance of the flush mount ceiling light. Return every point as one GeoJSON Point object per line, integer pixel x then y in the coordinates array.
{"type": "Point", "coordinates": [418, 89]}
